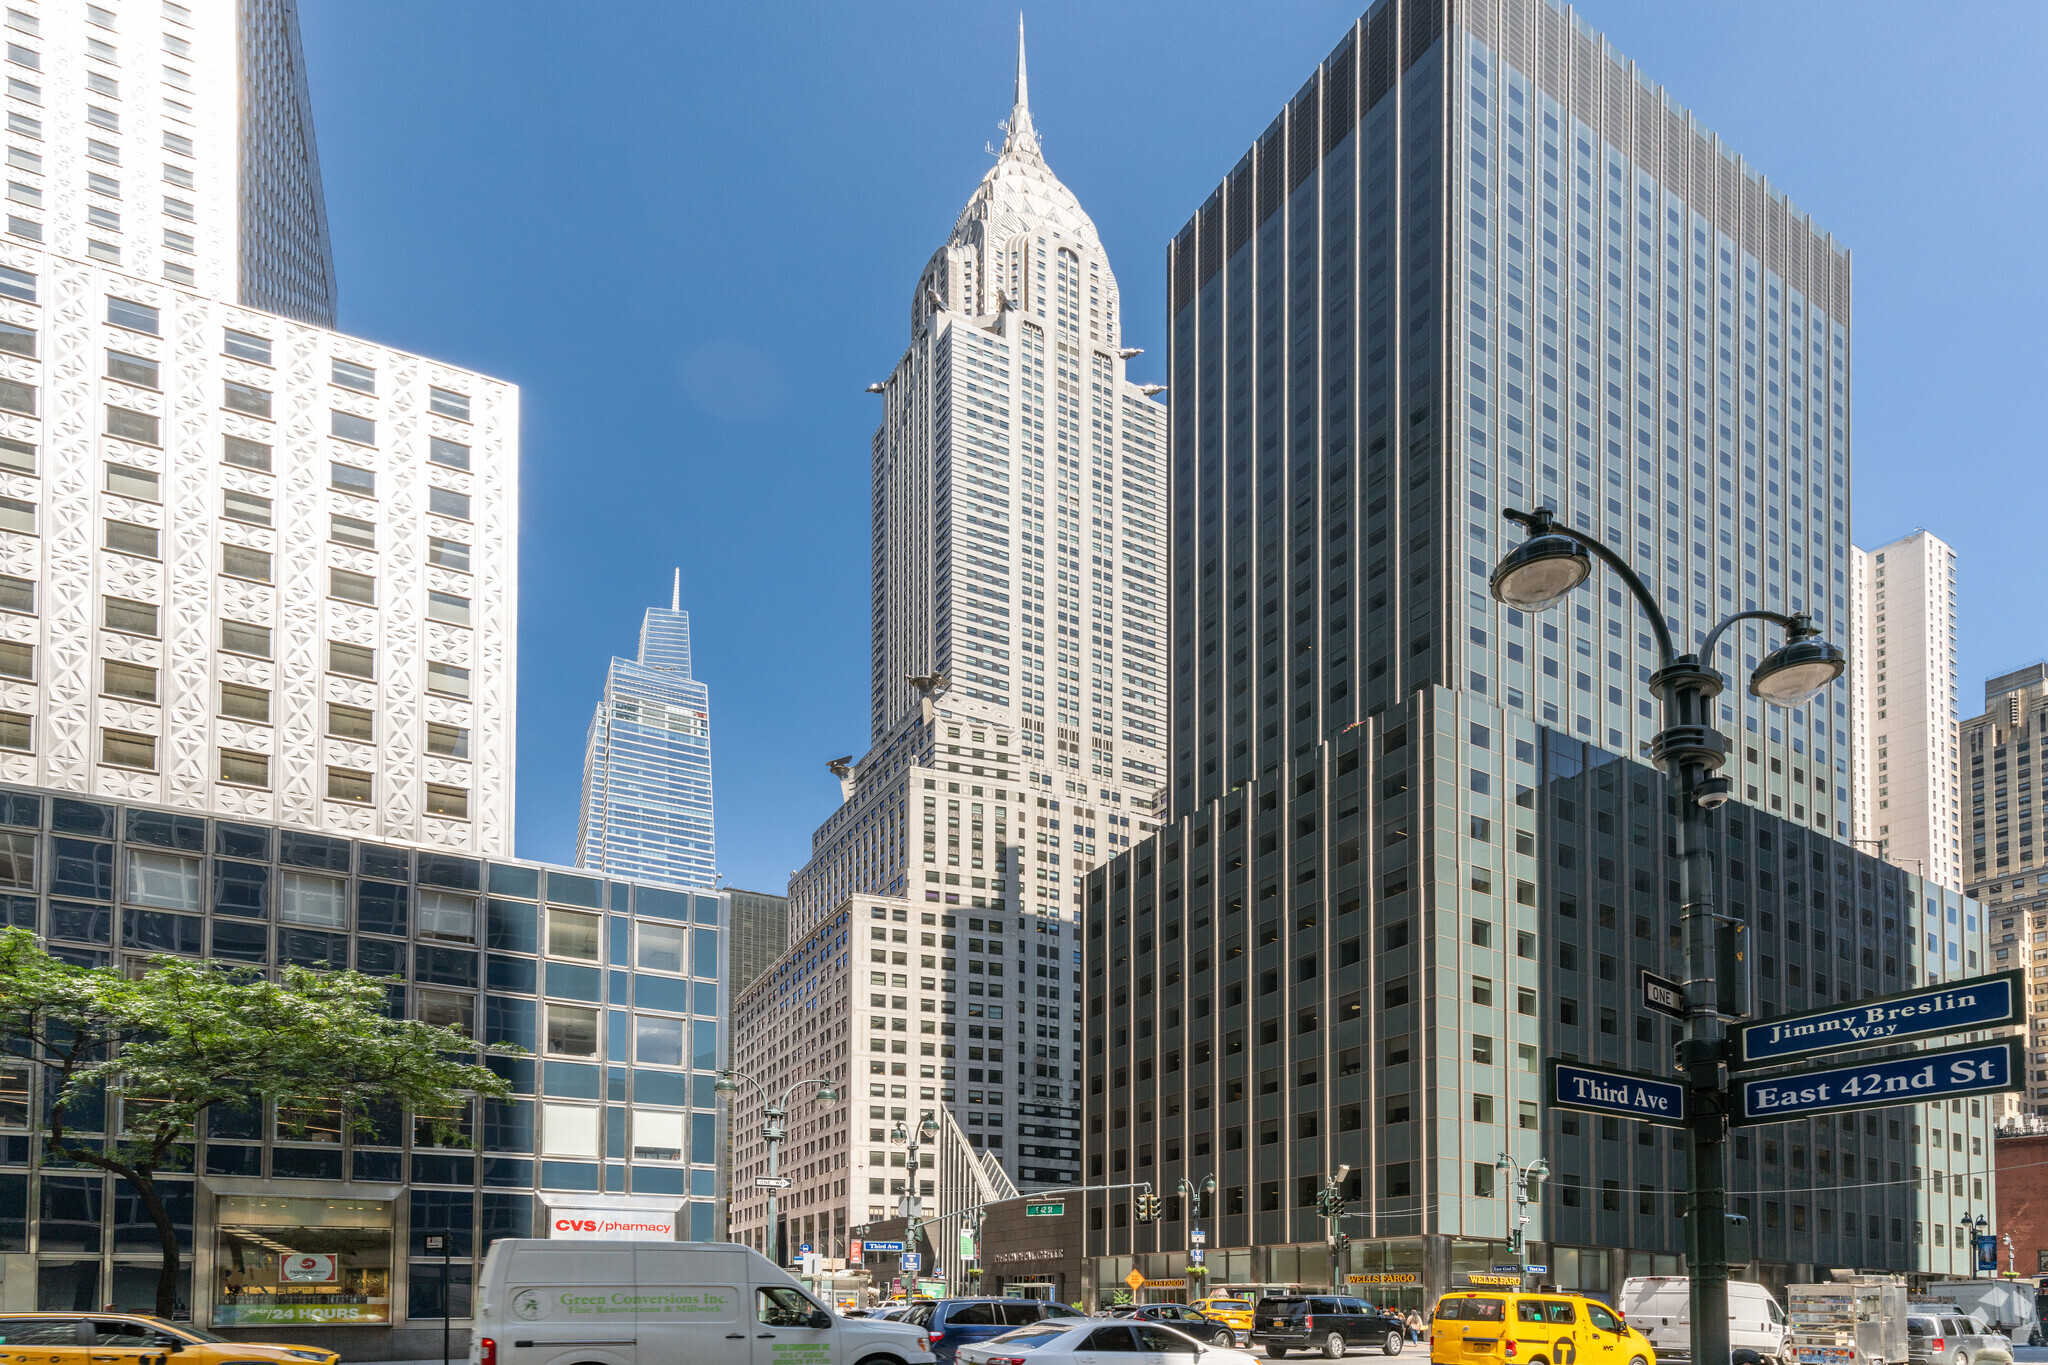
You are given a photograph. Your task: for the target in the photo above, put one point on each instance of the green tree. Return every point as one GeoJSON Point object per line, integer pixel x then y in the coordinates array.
{"type": "Point", "coordinates": [184, 1036]}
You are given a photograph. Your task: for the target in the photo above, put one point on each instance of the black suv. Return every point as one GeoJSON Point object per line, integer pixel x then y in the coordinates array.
{"type": "Point", "coordinates": [1327, 1324]}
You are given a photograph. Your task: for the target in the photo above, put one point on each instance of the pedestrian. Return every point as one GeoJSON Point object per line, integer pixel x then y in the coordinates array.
{"type": "Point", "coordinates": [1414, 1325]}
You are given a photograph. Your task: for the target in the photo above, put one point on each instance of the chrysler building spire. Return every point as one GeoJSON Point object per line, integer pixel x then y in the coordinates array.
{"type": "Point", "coordinates": [1023, 138]}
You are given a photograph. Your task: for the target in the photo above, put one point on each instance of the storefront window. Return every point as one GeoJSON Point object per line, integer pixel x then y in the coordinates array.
{"type": "Point", "coordinates": [284, 1261]}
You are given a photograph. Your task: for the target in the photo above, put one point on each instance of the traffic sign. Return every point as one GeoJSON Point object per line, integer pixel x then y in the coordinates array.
{"type": "Point", "coordinates": [772, 1182]}
{"type": "Point", "coordinates": [911, 1261]}
{"type": "Point", "coordinates": [1948, 1073]}
{"type": "Point", "coordinates": [1599, 1091]}
{"type": "Point", "coordinates": [1134, 1279]}
{"type": "Point", "coordinates": [1979, 1003]}
{"type": "Point", "coordinates": [1044, 1210]}
{"type": "Point", "coordinates": [1661, 994]}
{"type": "Point", "coordinates": [804, 1249]}
{"type": "Point", "coordinates": [1537, 1269]}
{"type": "Point", "coordinates": [1194, 1256]}
{"type": "Point", "coordinates": [1198, 1236]}
{"type": "Point", "coordinates": [882, 1246]}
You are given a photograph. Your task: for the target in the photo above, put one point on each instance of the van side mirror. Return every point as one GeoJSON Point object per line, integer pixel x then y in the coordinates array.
{"type": "Point", "coordinates": [820, 1319]}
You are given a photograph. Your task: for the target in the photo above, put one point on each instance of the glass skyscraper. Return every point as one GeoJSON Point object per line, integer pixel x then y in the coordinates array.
{"type": "Point", "coordinates": [1479, 262]}
{"type": "Point", "coordinates": [647, 770]}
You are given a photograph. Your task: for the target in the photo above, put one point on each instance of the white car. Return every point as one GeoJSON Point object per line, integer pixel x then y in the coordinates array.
{"type": "Point", "coordinates": [1094, 1341]}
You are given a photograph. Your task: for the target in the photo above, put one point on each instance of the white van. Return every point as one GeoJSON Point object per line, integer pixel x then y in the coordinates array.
{"type": "Point", "coordinates": [579, 1302]}
{"type": "Point", "coordinates": [1660, 1307]}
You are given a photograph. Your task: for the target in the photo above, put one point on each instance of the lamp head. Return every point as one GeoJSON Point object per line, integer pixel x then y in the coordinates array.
{"type": "Point", "coordinates": [725, 1084]}
{"type": "Point", "coordinates": [1539, 1169]}
{"type": "Point", "coordinates": [929, 1124]}
{"type": "Point", "coordinates": [897, 1134]}
{"type": "Point", "coordinates": [1800, 669]}
{"type": "Point", "coordinates": [1209, 1185]}
{"type": "Point", "coordinates": [1342, 1173]}
{"type": "Point", "coordinates": [1542, 569]}
{"type": "Point", "coordinates": [828, 1092]}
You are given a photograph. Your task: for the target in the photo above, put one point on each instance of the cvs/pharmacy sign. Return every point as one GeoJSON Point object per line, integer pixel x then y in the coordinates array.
{"type": "Point", "coordinates": [613, 1225]}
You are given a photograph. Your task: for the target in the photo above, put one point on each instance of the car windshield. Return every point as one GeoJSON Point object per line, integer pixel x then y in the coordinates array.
{"type": "Point", "coordinates": [1470, 1310]}
{"type": "Point", "coordinates": [1026, 1338]}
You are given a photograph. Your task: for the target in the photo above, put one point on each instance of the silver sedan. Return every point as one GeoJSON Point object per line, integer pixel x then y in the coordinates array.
{"type": "Point", "coordinates": [1091, 1341]}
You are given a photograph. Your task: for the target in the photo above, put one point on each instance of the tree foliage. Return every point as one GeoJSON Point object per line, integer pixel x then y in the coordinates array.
{"type": "Point", "coordinates": [185, 1036]}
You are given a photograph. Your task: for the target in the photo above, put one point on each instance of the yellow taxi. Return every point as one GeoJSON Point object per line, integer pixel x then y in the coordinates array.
{"type": "Point", "coordinates": [1512, 1327]}
{"type": "Point", "coordinates": [132, 1339]}
{"type": "Point", "coordinates": [1236, 1314]}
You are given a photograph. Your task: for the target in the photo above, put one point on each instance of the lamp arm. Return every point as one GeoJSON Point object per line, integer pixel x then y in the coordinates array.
{"type": "Point", "coordinates": [1707, 646]}
{"type": "Point", "coordinates": [1644, 597]}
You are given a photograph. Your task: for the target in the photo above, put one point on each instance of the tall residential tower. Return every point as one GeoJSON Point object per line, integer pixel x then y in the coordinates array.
{"type": "Point", "coordinates": [1906, 764]}
{"type": "Point", "coordinates": [647, 768]}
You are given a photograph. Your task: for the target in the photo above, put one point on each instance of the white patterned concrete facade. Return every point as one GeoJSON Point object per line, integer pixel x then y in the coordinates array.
{"type": "Point", "coordinates": [1906, 759]}
{"type": "Point", "coordinates": [251, 566]}
{"type": "Point", "coordinates": [1019, 542]}
{"type": "Point", "coordinates": [172, 141]}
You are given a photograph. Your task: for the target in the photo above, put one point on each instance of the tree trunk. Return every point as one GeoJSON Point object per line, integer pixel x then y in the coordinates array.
{"type": "Point", "coordinates": [167, 1238]}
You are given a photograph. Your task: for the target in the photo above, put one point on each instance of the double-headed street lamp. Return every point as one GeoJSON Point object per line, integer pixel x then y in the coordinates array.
{"type": "Point", "coordinates": [772, 1114]}
{"type": "Point", "coordinates": [1969, 1229]}
{"type": "Point", "coordinates": [1198, 1209]}
{"type": "Point", "coordinates": [911, 1206]}
{"type": "Point", "coordinates": [1521, 1177]}
{"type": "Point", "coordinates": [1541, 572]}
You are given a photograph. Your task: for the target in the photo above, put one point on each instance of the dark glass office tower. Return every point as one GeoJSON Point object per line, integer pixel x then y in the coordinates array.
{"type": "Point", "coordinates": [1479, 263]}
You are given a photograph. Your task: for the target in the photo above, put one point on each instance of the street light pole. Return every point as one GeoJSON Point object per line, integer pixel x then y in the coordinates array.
{"type": "Point", "coordinates": [911, 1207]}
{"type": "Point", "coordinates": [1330, 1203]}
{"type": "Point", "coordinates": [1690, 749]}
{"type": "Point", "coordinates": [772, 1114]}
{"type": "Point", "coordinates": [1520, 1176]}
{"type": "Point", "coordinates": [1187, 1187]}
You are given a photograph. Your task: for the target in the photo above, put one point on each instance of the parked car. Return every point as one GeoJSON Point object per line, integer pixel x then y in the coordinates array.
{"type": "Point", "coordinates": [953, 1323]}
{"type": "Point", "coordinates": [78, 1338]}
{"type": "Point", "coordinates": [1179, 1317]}
{"type": "Point", "coordinates": [1332, 1325]}
{"type": "Point", "coordinates": [1501, 1327]}
{"type": "Point", "coordinates": [1232, 1312]}
{"type": "Point", "coordinates": [1092, 1341]}
{"type": "Point", "coordinates": [1954, 1339]}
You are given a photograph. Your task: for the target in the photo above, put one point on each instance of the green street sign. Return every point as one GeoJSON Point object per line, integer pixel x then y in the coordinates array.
{"type": "Point", "coordinates": [1044, 1210]}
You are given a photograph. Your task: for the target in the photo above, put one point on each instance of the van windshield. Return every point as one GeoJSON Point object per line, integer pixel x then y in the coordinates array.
{"type": "Point", "coordinates": [1471, 1310]}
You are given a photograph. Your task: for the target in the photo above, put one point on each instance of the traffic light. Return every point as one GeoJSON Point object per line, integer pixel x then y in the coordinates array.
{"type": "Point", "coordinates": [1343, 1242]}
{"type": "Point", "coordinates": [1148, 1208]}
{"type": "Point", "coordinates": [1330, 1201]}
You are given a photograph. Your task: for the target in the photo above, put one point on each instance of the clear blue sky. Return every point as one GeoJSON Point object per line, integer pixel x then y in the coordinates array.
{"type": "Point", "coordinates": [689, 231]}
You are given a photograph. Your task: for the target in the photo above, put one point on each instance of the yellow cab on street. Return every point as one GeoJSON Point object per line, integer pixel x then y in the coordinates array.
{"type": "Point", "coordinates": [1234, 1313]}
{"type": "Point", "coordinates": [134, 1339]}
{"type": "Point", "coordinates": [1516, 1327]}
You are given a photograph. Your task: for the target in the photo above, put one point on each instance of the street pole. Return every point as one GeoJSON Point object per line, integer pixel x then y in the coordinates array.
{"type": "Point", "coordinates": [772, 1133]}
{"type": "Point", "coordinates": [1690, 750]}
{"type": "Point", "coordinates": [1520, 1176]}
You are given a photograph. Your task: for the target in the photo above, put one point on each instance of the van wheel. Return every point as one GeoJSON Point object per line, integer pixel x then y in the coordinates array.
{"type": "Point", "coordinates": [880, 1360]}
{"type": "Point", "coordinates": [1333, 1346]}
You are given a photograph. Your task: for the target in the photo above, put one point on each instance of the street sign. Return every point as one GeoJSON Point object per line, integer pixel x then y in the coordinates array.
{"type": "Point", "coordinates": [804, 1249]}
{"type": "Point", "coordinates": [1599, 1091]}
{"type": "Point", "coordinates": [1537, 1269]}
{"type": "Point", "coordinates": [1134, 1279]}
{"type": "Point", "coordinates": [882, 1246]}
{"type": "Point", "coordinates": [1194, 1256]}
{"type": "Point", "coordinates": [911, 1261]}
{"type": "Point", "coordinates": [1949, 1073]}
{"type": "Point", "coordinates": [1979, 1003]}
{"type": "Point", "coordinates": [1661, 994]}
{"type": "Point", "coordinates": [1198, 1236]}
{"type": "Point", "coordinates": [772, 1182]}
{"type": "Point", "coordinates": [1044, 1210]}
{"type": "Point", "coordinates": [1507, 1270]}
